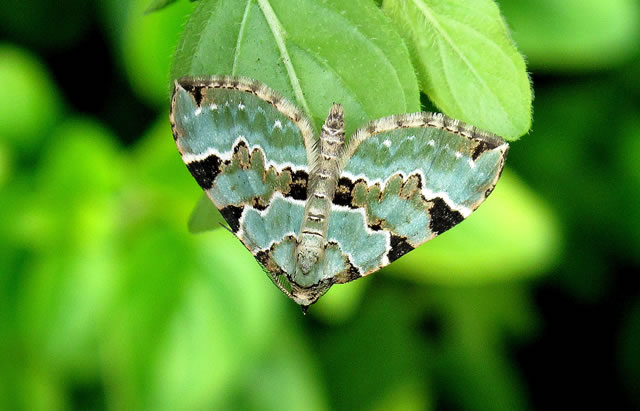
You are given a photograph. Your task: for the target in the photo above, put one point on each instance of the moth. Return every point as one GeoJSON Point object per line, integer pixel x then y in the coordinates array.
{"type": "Point", "coordinates": [313, 209]}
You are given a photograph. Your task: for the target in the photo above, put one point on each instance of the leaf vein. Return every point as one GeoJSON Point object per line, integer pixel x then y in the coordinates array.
{"type": "Point", "coordinates": [321, 62]}
{"type": "Point", "coordinates": [445, 36]}
{"type": "Point", "coordinates": [236, 52]}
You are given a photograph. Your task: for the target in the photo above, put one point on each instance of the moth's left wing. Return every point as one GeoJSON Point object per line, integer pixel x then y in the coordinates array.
{"type": "Point", "coordinates": [405, 179]}
{"type": "Point", "coordinates": [250, 150]}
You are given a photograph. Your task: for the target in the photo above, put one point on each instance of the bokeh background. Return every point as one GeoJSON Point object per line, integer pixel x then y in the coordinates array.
{"type": "Point", "coordinates": [108, 302]}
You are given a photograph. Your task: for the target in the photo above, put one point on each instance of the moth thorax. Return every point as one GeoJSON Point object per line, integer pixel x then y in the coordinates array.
{"type": "Point", "coordinates": [313, 233]}
{"type": "Point", "coordinates": [335, 119]}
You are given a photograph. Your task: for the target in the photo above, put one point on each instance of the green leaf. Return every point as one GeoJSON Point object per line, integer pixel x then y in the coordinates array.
{"type": "Point", "coordinates": [205, 216]}
{"type": "Point", "coordinates": [314, 54]}
{"type": "Point", "coordinates": [574, 34]}
{"type": "Point", "coordinates": [156, 5]}
{"type": "Point", "coordinates": [467, 63]}
{"type": "Point", "coordinates": [514, 234]}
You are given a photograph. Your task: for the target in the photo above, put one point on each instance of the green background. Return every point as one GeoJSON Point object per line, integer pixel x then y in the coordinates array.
{"type": "Point", "coordinates": [107, 301]}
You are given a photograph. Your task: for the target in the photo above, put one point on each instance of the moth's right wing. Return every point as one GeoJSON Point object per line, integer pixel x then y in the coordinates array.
{"type": "Point", "coordinates": [406, 179]}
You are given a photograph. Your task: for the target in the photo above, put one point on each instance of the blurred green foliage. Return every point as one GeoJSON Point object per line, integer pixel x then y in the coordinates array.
{"type": "Point", "coordinates": [107, 300]}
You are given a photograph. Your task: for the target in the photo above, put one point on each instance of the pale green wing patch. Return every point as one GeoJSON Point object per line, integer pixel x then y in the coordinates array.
{"type": "Point", "coordinates": [240, 140]}
{"type": "Point", "coordinates": [211, 114]}
{"type": "Point", "coordinates": [414, 177]}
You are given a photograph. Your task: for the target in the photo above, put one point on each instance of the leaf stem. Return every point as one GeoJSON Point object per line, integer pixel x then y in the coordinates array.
{"type": "Point", "coordinates": [279, 35]}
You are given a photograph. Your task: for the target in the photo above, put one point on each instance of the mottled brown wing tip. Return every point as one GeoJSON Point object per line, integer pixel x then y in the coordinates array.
{"type": "Point", "coordinates": [187, 82]}
{"type": "Point", "coordinates": [490, 139]}
{"type": "Point", "coordinates": [460, 127]}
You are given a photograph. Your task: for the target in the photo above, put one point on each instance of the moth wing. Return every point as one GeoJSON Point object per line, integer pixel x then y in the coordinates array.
{"type": "Point", "coordinates": [406, 179]}
{"type": "Point", "coordinates": [249, 150]}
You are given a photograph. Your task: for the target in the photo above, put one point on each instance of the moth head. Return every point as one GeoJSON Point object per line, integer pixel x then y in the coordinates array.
{"type": "Point", "coordinates": [334, 124]}
{"type": "Point", "coordinates": [303, 296]}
